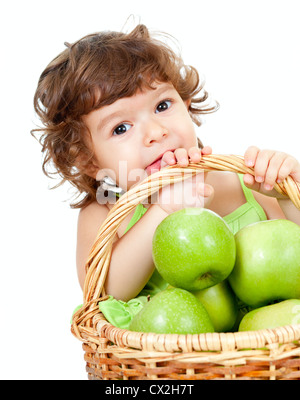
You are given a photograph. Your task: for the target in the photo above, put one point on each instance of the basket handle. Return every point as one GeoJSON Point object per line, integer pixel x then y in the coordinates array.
{"type": "Point", "coordinates": [99, 259]}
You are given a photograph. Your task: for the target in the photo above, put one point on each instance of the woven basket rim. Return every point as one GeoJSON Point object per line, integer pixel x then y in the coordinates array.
{"type": "Point", "coordinates": [213, 341]}
{"type": "Point", "coordinates": [89, 324]}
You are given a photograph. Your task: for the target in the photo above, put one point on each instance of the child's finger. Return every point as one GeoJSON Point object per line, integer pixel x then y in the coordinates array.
{"type": "Point", "coordinates": [206, 192]}
{"type": "Point", "coordinates": [206, 150]}
{"type": "Point", "coordinates": [250, 182]}
{"type": "Point", "coordinates": [251, 155]}
{"type": "Point", "coordinates": [286, 168]}
{"type": "Point", "coordinates": [168, 159]}
{"type": "Point", "coordinates": [194, 154]}
{"type": "Point", "coordinates": [261, 164]}
{"type": "Point", "coordinates": [271, 175]}
{"type": "Point", "coordinates": [182, 157]}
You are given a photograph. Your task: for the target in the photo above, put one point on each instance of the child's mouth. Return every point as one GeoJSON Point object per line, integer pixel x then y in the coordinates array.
{"type": "Point", "coordinates": [154, 167]}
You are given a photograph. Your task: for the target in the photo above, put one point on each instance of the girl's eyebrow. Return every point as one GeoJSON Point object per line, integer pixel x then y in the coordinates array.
{"type": "Point", "coordinates": [104, 121]}
{"type": "Point", "coordinates": [164, 88]}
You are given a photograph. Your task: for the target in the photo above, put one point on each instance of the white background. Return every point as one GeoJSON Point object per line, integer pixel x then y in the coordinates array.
{"type": "Point", "coordinates": [248, 52]}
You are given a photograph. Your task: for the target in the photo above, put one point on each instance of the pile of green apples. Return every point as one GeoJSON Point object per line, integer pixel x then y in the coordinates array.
{"type": "Point", "coordinates": [221, 282]}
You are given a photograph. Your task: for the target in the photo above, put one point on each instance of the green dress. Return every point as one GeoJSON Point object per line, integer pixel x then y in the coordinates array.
{"type": "Point", "coordinates": [120, 313]}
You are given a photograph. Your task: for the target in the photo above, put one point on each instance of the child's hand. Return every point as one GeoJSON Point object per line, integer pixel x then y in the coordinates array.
{"type": "Point", "coordinates": [191, 192]}
{"type": "Point", "coordinates": [182, 157]}
{"type": "Point", "coordinates": [270, 167]}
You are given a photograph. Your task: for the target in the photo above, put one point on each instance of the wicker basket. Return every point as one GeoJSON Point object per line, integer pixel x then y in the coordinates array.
{"type": "Point", "coordinates": [112, 353]}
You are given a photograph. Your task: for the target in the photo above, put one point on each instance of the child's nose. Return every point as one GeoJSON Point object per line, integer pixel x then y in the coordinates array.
{"type": "Point", "coordinates": [154, 133]}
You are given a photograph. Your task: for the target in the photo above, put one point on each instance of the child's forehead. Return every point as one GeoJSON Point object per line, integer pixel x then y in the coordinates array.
{"type": "Point", "coordinates": [155, 89]}
{"type": "Point", "coordinates": [145, 93]}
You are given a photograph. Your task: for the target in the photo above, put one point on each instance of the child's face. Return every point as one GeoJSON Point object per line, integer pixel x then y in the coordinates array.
{"type": "Point", "coordinates": [133, 132]}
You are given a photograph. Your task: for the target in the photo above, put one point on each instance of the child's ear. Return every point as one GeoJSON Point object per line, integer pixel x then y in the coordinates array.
{"type": "Point", "coordinates": [92, 170]}
{"type": "Point", "coordinates": [89, 168]}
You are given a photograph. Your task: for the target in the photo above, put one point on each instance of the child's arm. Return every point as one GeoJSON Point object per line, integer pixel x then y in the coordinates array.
{"type": "Point", "coordinates": [271, 167]}
{"type": "Point", "coordinates": [131, 263]}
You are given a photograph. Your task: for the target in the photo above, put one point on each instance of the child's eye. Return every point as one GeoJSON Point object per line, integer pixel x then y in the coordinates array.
{"type": "Point", "coordinates": [163, 106]}
{"type": "Point", "coordinates": [120, 129]}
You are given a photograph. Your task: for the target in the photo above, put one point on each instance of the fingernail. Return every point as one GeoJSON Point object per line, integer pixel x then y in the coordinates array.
{"type": "Point", "coordinates": [259, 179]}
{"type": "Point", "coordinates": [249, 163]}
{"type": "Point", "coordinates": [268, 187]}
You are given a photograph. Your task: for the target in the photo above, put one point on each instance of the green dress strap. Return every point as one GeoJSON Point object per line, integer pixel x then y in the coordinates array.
{"type": "Point", "coordinates": [140, 210]}
{"type": "Point", "coordinates": [247, 213]}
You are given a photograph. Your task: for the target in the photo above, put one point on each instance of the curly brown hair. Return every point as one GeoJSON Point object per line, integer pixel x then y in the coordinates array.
{"type": "Point", "coordinates": [115, 65]}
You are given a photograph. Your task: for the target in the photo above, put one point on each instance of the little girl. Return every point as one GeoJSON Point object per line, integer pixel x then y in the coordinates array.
{"type": "Point", "coordinates": [125, 106]}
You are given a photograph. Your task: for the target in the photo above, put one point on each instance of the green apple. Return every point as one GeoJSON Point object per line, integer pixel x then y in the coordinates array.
{"type": "Point", "coordinates": [267, 264]}
{"type": "Point", "coordinates": [286, 312]}
{"type": "Point", "coordinates": [193, 249]}
{"type": "Point", "coordinates": [221, 304]}
{"type": "Point", "coordinates": [172, 310]}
